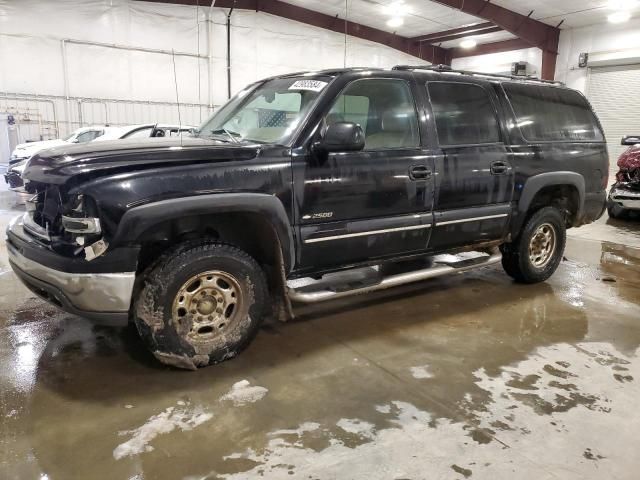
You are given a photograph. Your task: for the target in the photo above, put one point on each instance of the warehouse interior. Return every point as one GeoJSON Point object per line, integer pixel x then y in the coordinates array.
{"type": "Point", "coordinates": [464, 376]}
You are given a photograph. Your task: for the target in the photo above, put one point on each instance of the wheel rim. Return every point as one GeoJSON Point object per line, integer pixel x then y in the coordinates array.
{"type": "Point", "coordinates": [212, 301]}
{"type": "Point", "coordinates": [542, 245]}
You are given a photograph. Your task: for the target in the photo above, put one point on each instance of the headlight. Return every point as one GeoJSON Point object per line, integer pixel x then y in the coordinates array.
{"type": "Point", "coordinates": [82, 218]}
{"type": "Point", "coordinates": [81, 225]}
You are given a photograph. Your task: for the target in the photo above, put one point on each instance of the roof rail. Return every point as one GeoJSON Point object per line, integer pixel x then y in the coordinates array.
{"type": "Point", "coordinates": [448, 69]}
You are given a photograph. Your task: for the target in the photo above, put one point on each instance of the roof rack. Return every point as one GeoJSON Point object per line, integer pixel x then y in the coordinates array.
{"type": "Point", "coordinates": [448, 69]}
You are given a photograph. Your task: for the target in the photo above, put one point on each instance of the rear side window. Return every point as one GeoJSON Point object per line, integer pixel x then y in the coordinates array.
{"type": "Point", "coordinates": [552, 114]}
{"type": "Point", "coordinates": [88, 136]}
{"type": "Point", "coordinates": [463, 113]}
{"type": "Point", "coordinates": [140, 133]}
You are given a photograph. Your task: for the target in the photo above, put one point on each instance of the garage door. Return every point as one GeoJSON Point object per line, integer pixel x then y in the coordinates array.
{"type": "Point", "coordinates": [614, 93]}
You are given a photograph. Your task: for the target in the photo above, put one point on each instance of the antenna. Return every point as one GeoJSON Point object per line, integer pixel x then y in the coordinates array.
{"type": "Point", "coordinates": [199, 75]}
{"type": "Point", "coordinates": [175, 81]}
{"type": "Point", "coordinates": [346, 15]}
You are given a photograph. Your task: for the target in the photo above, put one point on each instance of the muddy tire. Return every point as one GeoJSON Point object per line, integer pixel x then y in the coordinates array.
{"type": "Point", "coordinates": [616, 211]}
{"type": "Point", "coordinates": [200, 304]}
{"type": "Point", "coordinates": [538, 249]}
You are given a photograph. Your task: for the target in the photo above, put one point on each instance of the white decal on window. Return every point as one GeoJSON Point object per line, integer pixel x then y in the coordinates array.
{"type": "Point", "coordinates": [313, 85]}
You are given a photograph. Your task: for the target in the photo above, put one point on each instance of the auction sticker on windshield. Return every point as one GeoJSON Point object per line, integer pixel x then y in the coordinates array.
{"type": "Point", "coordinates": [313, 85]}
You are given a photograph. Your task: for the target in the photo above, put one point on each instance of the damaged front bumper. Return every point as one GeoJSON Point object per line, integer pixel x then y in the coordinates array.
{"type": "Point", "coordinates": [625, 196]}
{"type": "Point", "coordinates": [95, 290]}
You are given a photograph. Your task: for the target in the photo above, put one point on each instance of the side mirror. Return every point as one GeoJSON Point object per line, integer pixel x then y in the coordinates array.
{"type": "Point", "coordinates": [343, 137]}
{"type": "Point", "coordinates": [630, 140]}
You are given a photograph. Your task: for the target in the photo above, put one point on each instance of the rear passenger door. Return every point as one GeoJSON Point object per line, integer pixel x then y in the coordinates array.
{"type": "Point", "coordinates": [474, 175]}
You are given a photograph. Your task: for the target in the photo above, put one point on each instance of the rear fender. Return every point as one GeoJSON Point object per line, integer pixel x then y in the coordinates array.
{"type": "Point", "coordinates": [536, 183]}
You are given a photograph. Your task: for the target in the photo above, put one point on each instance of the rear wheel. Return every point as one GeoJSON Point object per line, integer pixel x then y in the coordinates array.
{"type": "Point", "coordinates": [201, 303]}
{"type": "Point", "coordinates": [537, 251]}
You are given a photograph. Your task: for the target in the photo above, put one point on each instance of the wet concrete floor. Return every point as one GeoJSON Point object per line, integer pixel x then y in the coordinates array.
{"type": "Point", "coordinates": [470, 376]}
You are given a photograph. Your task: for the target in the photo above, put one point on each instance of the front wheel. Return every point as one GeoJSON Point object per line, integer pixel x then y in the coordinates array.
{"type": "Point", "coordinates": [538, 250]}
{"type": "Point", "coordinates": [201, 303]}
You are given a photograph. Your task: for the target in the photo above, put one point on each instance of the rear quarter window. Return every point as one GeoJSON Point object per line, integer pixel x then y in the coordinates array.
{"type": "Point", "coordinates": [546, 114]}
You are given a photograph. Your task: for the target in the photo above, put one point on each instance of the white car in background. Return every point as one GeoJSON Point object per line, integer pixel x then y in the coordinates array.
{"type": "Point", "coordinates": [145, 131]}
{"type": "Point", "coordinates": [25, 151]}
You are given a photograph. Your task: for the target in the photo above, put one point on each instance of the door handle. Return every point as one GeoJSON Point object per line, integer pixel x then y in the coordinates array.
{"type": "Point", "coordinates": [419, 172]}
{"type": "Point", "coordinates": [499, 168]}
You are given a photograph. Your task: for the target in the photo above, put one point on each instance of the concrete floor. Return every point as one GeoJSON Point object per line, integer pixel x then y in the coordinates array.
{"type": "Point", "coordinates": [466, 376]}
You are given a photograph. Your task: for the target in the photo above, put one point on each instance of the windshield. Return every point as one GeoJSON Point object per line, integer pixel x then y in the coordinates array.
{"type": "Point", "coordinates": [269, 113]}
{"type": "Point", "coordinates": [66, 139]}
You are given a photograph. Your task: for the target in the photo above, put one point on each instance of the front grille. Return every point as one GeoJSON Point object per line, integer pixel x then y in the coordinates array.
{"type": "Point", "coordinates": [14, 180]}
{"type": "Point", "coordinates": [48, 209]}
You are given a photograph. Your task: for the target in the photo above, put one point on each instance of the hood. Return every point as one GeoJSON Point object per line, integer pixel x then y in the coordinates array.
{"type": "Point", "coordinates": [630, 158]}
{"type": "Point", "coordinates": [57, 165]}
{"type": "Point", "coordinates": [25, 150]}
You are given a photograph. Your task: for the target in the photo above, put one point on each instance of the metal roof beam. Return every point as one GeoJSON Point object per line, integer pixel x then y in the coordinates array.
{"type": "Point", "coordinates": [455, 36]}
{"type": "Point", "coordinates": [476, 29]}
{"type": "Point", "coordinates": [534, 32]}
{"type": "Point", "coordinates": [487, 48]}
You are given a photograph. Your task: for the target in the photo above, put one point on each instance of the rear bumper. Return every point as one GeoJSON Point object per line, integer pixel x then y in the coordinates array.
{"type": "Point", "coordinates": [626, 198]}
{"type": "Point", "coordinates": [594, 206]}
{"type": "Point", "coordinates": [101, 296]}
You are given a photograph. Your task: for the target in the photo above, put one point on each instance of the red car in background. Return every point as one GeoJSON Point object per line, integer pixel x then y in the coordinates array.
{"type": "Point", "coordinates": [624, 195]}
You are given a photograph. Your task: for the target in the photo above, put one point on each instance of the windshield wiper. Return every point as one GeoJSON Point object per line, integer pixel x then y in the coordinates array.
{"type": "Point", "coordinates": [230, 134]}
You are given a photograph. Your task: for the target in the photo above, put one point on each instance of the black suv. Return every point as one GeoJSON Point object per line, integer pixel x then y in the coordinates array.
{"type": "Point", "coordinates": [308, 187]}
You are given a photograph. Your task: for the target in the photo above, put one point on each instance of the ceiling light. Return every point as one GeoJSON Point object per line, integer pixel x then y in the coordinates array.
{"type": "Point", "coordinates": [619, 17]}
{"type": "Point", "coordinates": [397, 8]}
{"type": "Point", "coordinates": [395, 22]}
{"type": "Point", "coordinates": [468, 43]}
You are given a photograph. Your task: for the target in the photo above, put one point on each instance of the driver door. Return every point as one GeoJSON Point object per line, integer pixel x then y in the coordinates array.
{"type": "Point", "coordinates": [353, 207]}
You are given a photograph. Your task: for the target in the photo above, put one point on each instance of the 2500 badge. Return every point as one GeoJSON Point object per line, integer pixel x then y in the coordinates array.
{"type": "Point", "coordinates": [318, 216]}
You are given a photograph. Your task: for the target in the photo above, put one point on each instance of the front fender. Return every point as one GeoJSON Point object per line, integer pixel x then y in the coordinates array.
{"type": "Point", "coordinates": [139, 219]}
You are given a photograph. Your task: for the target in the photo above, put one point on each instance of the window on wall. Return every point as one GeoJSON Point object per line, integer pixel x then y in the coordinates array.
{"type": "Point", "coordinates": [545, 113]}
{"type": "Point", "coordinates": [385, 110]}
{"type": "Point", "coordinates": [463, 114]}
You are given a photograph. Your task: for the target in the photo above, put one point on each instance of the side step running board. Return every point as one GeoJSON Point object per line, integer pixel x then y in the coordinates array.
{"type": "Point", "coordinates": [308, 295]}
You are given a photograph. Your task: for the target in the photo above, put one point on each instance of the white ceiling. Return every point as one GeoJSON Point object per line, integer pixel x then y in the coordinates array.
{"type": "Point", "coordinates": [575, 13]}
{"type": "Point", "coordinates": [424, 17]}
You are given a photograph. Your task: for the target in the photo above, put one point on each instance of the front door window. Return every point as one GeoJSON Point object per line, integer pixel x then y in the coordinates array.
{"type": "Point", "coordinates": [385, 110]}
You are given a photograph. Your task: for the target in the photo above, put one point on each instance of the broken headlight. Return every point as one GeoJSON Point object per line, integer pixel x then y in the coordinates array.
{"type": "Point", "coordinates": [82, 216]}
{"type": "Point", "coordinates": [82, 222]}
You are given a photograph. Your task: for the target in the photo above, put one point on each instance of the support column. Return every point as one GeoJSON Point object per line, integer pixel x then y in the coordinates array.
{"type": "Point", "coordinates": [548, 65]}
